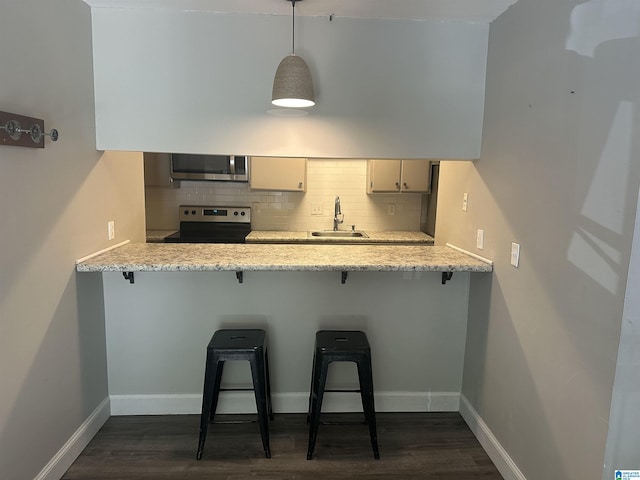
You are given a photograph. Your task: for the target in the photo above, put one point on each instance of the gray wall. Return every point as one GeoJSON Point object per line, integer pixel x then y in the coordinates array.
{"type": "Point", "coordinates": [172, 81]}
{"type": "Point", "coordinates": [158, 329]}
{"type": "Point", "coordinates": [559, 174]}
{"type": "Point", "coordinates": [54, 208]}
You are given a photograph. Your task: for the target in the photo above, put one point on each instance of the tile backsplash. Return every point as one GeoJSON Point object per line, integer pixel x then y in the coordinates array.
{"type": "Point", "coordinates": [326, 179]}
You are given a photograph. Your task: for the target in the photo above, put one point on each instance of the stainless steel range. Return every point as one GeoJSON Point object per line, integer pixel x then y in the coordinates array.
{"type": "Point", "coordinates": [204, 224]}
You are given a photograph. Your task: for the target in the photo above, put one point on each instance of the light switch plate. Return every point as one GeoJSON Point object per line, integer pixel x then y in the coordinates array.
{"type": "Point", "coordinates": [465, 200]}
{"type": "Point", "coordinates": [391, 209]}
{"type": "Point", "coordinates": [480, 239]}
{"type": "Point", "coordinates": [515, 254]}
{"type": "Point", "coordinates": [111, 230]}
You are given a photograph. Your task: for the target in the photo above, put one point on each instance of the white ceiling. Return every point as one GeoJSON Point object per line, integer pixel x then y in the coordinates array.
{"type": "Point", "coordinates": [483, 11]}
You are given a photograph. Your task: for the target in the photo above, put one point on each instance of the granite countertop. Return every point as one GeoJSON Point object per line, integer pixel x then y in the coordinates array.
{"type": "Point", "coordinates": [171, 257]}
{"type": "Point", "coordinates": [397, 237]}
{"type": "Point", "coordinates": [157, 236]}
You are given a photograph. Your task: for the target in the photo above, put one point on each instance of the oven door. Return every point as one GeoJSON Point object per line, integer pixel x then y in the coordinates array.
{"type": "Point", "coordinates": [230, 168]}
{"type": "Point", "coordinates": [203, 232]}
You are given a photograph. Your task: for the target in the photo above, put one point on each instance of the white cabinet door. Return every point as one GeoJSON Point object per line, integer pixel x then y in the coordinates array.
{"type": "Point", "coordinates": [415, 176]}
{"type": "Point", "coordinates": [393, 176]}
{"type": "Point", "coordinates": [383, 176]}
{"type": "Point", "coordinates": [278, 173]}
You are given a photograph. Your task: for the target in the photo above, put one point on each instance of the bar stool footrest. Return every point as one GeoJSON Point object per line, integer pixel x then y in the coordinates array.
{"type": "Point", "coordinates": [343, 423]}
{"type": "Point", "coordinates": [341, 390]}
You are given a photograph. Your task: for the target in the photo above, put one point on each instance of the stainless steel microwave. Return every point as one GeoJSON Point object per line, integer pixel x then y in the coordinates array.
{"type": "Point", "coordinates": [226, 168]}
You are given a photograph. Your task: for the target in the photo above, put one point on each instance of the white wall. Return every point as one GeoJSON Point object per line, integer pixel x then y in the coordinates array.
{"type": "Point", "coordinates": [158, 329]}
{"type": "Point", "coordinates": [559, 174]}
{"type": "Point", "coordinates": [54, 206]}
{"type": "Point", "coordinates": [170, 81]}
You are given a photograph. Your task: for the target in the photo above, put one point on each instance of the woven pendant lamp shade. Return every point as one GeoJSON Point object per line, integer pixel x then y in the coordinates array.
{"type": "Point", "coordinates": [292, 85]}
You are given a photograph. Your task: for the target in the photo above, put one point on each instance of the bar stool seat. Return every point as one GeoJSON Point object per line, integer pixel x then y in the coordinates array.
{"type": "Point", "coordinates": [237, 344]}
{"type": "Point", "coordinates": [341, 346]}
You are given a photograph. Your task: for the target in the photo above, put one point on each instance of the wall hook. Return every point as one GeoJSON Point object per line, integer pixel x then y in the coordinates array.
{"type": "Point", "coordinates": [36, 133]}
{"type": "Point", "coordinates": [11, 124]}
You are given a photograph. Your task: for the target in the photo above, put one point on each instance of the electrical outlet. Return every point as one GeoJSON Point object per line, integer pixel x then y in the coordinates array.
{"type": "Point", "coordinates": [111, 230]}
{"type": "Point", "coordinates": [391, 209]}
{"type": "Point", "coordinates": [515, 254]}
{"type": "Point", "coordinates": [316, 208]}
{"type": "Point", "coordinates": [465, 200]}
{"type": "Point", "coordinates": [480, 239]}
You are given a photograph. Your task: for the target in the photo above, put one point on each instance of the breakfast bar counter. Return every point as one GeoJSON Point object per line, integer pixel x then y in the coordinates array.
{"type": "Point", "coordinates": [158, 321]}
{"type": "Point", "coordinates": [149, 257]}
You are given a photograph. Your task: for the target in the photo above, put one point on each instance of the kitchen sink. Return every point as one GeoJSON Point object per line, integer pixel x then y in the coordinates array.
{"type": "Point", "coordinates": [339, 234]}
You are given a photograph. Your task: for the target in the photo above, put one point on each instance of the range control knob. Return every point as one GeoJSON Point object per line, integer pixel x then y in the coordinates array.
{"type": "Point", "coordinates": [235, 213]}
{"type": "Point", "coordinates": [186, 212]}
{"type": "Point", "coordinates": [242, 213]}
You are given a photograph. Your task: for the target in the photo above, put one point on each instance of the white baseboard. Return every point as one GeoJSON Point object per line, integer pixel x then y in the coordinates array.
{"type": "Point", "coordinates": [62, 460]}
{"type": "Point", "coordinates": [297, 402]}
{"type": "Point", "coordinates": [498, 455]}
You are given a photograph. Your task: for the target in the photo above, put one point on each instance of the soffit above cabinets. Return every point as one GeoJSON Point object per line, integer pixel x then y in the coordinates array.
{"type": "Point", "coordinates": [477, 11]}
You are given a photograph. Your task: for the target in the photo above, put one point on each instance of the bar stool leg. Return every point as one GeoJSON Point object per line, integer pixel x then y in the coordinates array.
{"type": "Point", "coordinates": [311, 387]}
{"type": "Point", "coordinates": [365, 376]}
{"type": "Point", "coordinates": [216, 388]}
{"type": "Point", "coordinates": [320, 380]}
{"type": "Point", "coordinates": [212, 376]}
{"type": "Point", "coordinates": [259, 388]}
{"type": "Point", "coordinates": [266, 364]}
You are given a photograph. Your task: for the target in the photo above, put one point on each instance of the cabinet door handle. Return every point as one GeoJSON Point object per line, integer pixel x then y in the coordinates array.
{"type": "Point", "coordinates": [397, 186]}
{"type": "Point", "coordinates": [405, 185]}
{"type": "Point", "coordinates": [299, 184]}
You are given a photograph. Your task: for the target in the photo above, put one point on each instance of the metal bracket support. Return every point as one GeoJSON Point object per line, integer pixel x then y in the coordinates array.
{"type": "Point", "coordinates": [446, 276]}
{"type": "Point", "coordinates": [128, 276]}
{"type": "Point", "coordinates": [240, 277]}
{"type": "Point", "coordinates": [343, 279]}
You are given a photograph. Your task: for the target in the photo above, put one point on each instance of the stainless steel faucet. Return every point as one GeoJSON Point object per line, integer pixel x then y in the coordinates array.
{"type": "Point", "coordinates": [337, 211]}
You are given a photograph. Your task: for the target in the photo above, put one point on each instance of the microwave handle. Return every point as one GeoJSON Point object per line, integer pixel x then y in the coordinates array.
{"type": "Point", "coordinates": [232, 164]}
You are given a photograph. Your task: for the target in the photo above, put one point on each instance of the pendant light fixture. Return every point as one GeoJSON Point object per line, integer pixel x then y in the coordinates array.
{"type": "Point", "coordinates": [292, 85]}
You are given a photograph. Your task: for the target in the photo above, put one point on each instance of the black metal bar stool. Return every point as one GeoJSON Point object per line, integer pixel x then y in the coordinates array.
{"type": "Point", "coordinates": [241, 344]}
{"type": "Point", "coordinates": [341, 346]}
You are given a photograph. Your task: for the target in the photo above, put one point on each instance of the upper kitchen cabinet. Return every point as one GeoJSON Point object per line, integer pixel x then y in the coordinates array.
{"type": "Point", "coordinates": [156, 170]}
{"type": "Point", "coordinates": [385, 88]}
{"type": "Point", "coordinates": [278, 173]}
{"type": "Point", "coordinates": [393, 176]}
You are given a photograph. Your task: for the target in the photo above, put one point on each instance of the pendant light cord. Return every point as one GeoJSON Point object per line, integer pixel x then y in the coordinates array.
{"type": "Point", "coordinates": [293, 27]}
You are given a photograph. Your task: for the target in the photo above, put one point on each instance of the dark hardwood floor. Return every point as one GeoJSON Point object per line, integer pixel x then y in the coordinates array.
{"type": "Point", "coordinates": [412, 446]}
